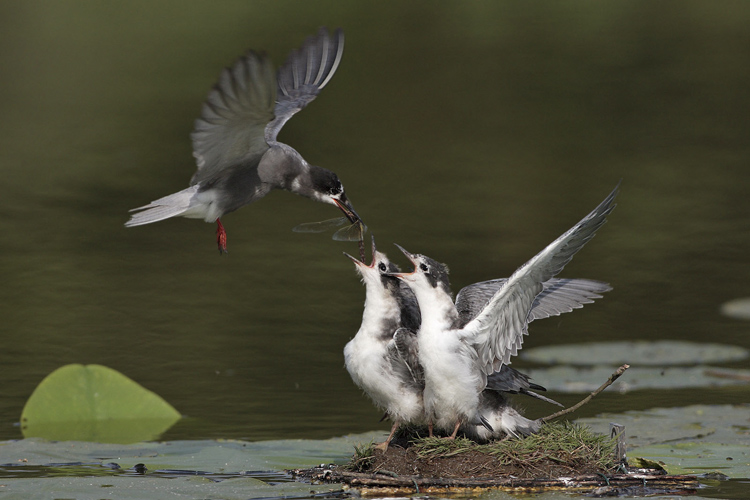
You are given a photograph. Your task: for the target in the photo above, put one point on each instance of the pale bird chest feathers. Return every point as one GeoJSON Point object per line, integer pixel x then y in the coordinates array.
{"type": "Point", "coordinates": [379, 311]}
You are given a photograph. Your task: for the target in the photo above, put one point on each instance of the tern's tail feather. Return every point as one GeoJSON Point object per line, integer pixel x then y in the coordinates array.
{"type": "Point", "coordinates": [164, 208]}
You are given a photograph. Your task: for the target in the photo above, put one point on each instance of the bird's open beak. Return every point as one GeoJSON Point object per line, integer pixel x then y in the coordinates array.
{"type": "Point", "coordinates": [409, 255]}
{"type": "Point", "coordinates": [356, 261]}
{"type": "Point", "coordinates": [411, 258]}
{"type": "Point", "coordinates": [346, 207]}
{"type": "Point", "coordinates": [361, 263]}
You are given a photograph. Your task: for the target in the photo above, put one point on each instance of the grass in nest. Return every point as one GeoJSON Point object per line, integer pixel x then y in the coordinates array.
{"type": "Point", "coordinates": [435, 447]}
{"type": "Point", "coordinates": [561, 442]}
{"type": "Point", "coordinates": [363, 457]}
{"type": "Point", "coordinates": [564, 443]}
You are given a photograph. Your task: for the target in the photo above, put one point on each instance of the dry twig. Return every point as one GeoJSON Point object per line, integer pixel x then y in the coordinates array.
{"type": "Point", "coordinates": [588, 398]}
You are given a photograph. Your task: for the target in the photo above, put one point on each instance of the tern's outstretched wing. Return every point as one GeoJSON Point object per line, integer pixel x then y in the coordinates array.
{"type": "Point", "coordinates": [306, 71]}
{"type": "Point", "coordinates": [234, 117]}
{"type": "Point", "coordinates": [559, 296]}
{"type": "Point", "coordinates": [497, 332]}
{"type": "Point", "coordinates": [563, 295]}
{"type": "Point", "coordinates": [473, 298]}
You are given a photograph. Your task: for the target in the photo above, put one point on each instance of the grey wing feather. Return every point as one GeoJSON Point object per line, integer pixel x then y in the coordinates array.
{"type": "Point", "coordinates": [234, 117]}
{"type": "Point", "coordinates": [535, 395]}
{"type": "Point", "coordinates": [411, 317]}
{"type": "Point", "coordinates": [514, 382]}
{"type": "Point", "coordinates": [473, 298]}
{"type": "Point", "coordinates": [407, 355]}
{"type": "Point", "coordinates": [510, 380]}
{"type": "Point", "coordinates": [558, 296]}
{"type": "Point", "coordinates": [563, 295]}
{"type": "Point", "coordinates": [497, 332]}
{"type": "Point", "coordinates": [306, 71]}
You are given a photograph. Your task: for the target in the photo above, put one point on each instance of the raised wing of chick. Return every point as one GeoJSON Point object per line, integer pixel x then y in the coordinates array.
{"type": "Point", "coordinates": [497, 331]}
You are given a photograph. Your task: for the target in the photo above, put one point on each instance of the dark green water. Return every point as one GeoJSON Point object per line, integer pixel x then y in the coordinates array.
{"type": "Point", "coordinates": [474, 132]}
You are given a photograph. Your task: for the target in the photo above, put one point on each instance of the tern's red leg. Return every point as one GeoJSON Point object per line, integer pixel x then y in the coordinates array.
{"type": "Point", "coordinates": [455, 430]}
{"type": "Point", "coordinates": [384, 445]}
{"type": "Point", "coordinates": [221, 237]}
{"type": "Point", "coordinates": [429, 428]}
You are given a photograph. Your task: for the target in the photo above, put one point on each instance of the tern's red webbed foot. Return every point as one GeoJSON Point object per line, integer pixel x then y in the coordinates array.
{"type": "Point", "coordinates": [384, 445]}
{"type": "Point", "coordinates": [221, 237]}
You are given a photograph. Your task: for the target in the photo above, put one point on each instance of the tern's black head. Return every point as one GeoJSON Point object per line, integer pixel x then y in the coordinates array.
{"type": "Point", "coordinates": [327, 187]}
{"type": "Point", "coordinates": [325, 182]}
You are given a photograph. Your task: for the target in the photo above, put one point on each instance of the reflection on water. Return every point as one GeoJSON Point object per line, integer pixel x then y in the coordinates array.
{"type": "Point", "coordinates": [473, 132]}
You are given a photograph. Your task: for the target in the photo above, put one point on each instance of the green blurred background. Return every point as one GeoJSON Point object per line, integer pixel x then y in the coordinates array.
{"type": "Point", "coordinates": [475, 132]}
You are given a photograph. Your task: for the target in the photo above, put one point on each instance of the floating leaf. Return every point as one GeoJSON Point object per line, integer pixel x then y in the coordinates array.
{"type": "Point", "coordinates": [574, 379]}
{"type": "Point", "coordinates": [737, 308]}
{"type": "Point", "coordinates": [689, 440]}
{"type": "Point", "coordinates": [700, 458]}
{"type": "Point", "coordinates": [664, 352]}
{"type": "Point", "coordinates": [95, 403]}
{"type": "Point", "coordinates": [645, 463]}
{"type": "Point", "coordinates": [235, 469]}
{"type": "Point", "coordinates": [716, 423]}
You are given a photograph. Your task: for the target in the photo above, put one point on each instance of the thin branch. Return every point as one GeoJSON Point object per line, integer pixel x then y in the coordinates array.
{"type": "Point", "coordinates": [588, 398]}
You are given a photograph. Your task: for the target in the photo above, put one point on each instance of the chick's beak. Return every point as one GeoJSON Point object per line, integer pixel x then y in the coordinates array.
{"type": "Point", "coordinates": [356, 261]}
{"type": "Point", "coordinates": [411, 258]}
{"type": "Point", "coordinates": [361, 263]}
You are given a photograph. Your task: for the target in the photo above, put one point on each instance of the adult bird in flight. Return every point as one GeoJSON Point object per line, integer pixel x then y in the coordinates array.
{"type": "Point", "coordinates": [234, 140]}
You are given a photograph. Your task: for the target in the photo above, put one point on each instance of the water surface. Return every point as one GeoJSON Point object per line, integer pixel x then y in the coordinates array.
{"type": "Point", "coordinates": [473, 132]}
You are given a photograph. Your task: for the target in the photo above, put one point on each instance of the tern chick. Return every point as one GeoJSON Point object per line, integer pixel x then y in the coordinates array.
{"type": "Point", "coordinates": [458, 359]}
{"type": "Point", "coordinates": [382, 359]}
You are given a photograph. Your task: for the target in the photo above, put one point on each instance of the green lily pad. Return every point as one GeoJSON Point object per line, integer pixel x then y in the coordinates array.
{"type": "Point", "coordinates": [35, 468]}
{"type": "Point", "coordinates": [700, 458]}
{"type": "Point", "coordinates": [716, 423]}
{"type": "Point", "coordinates": [574, 379]}
{"type": "Point", "coordinates": [95, 403]}
{"type": "Point", "coordinates": [737, 308]}
{"type": "Point", "coordinates": [645, 463]}
{"type": "Point", "coordinates": [690, 440]}
{"type": "Point", "coordinates": [664, 352]}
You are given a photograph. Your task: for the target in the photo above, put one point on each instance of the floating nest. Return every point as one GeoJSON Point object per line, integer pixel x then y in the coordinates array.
{"type": "Point", "coordinates": [561, 456]}
{"type": "Point", "coordinates": [559, 449]}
